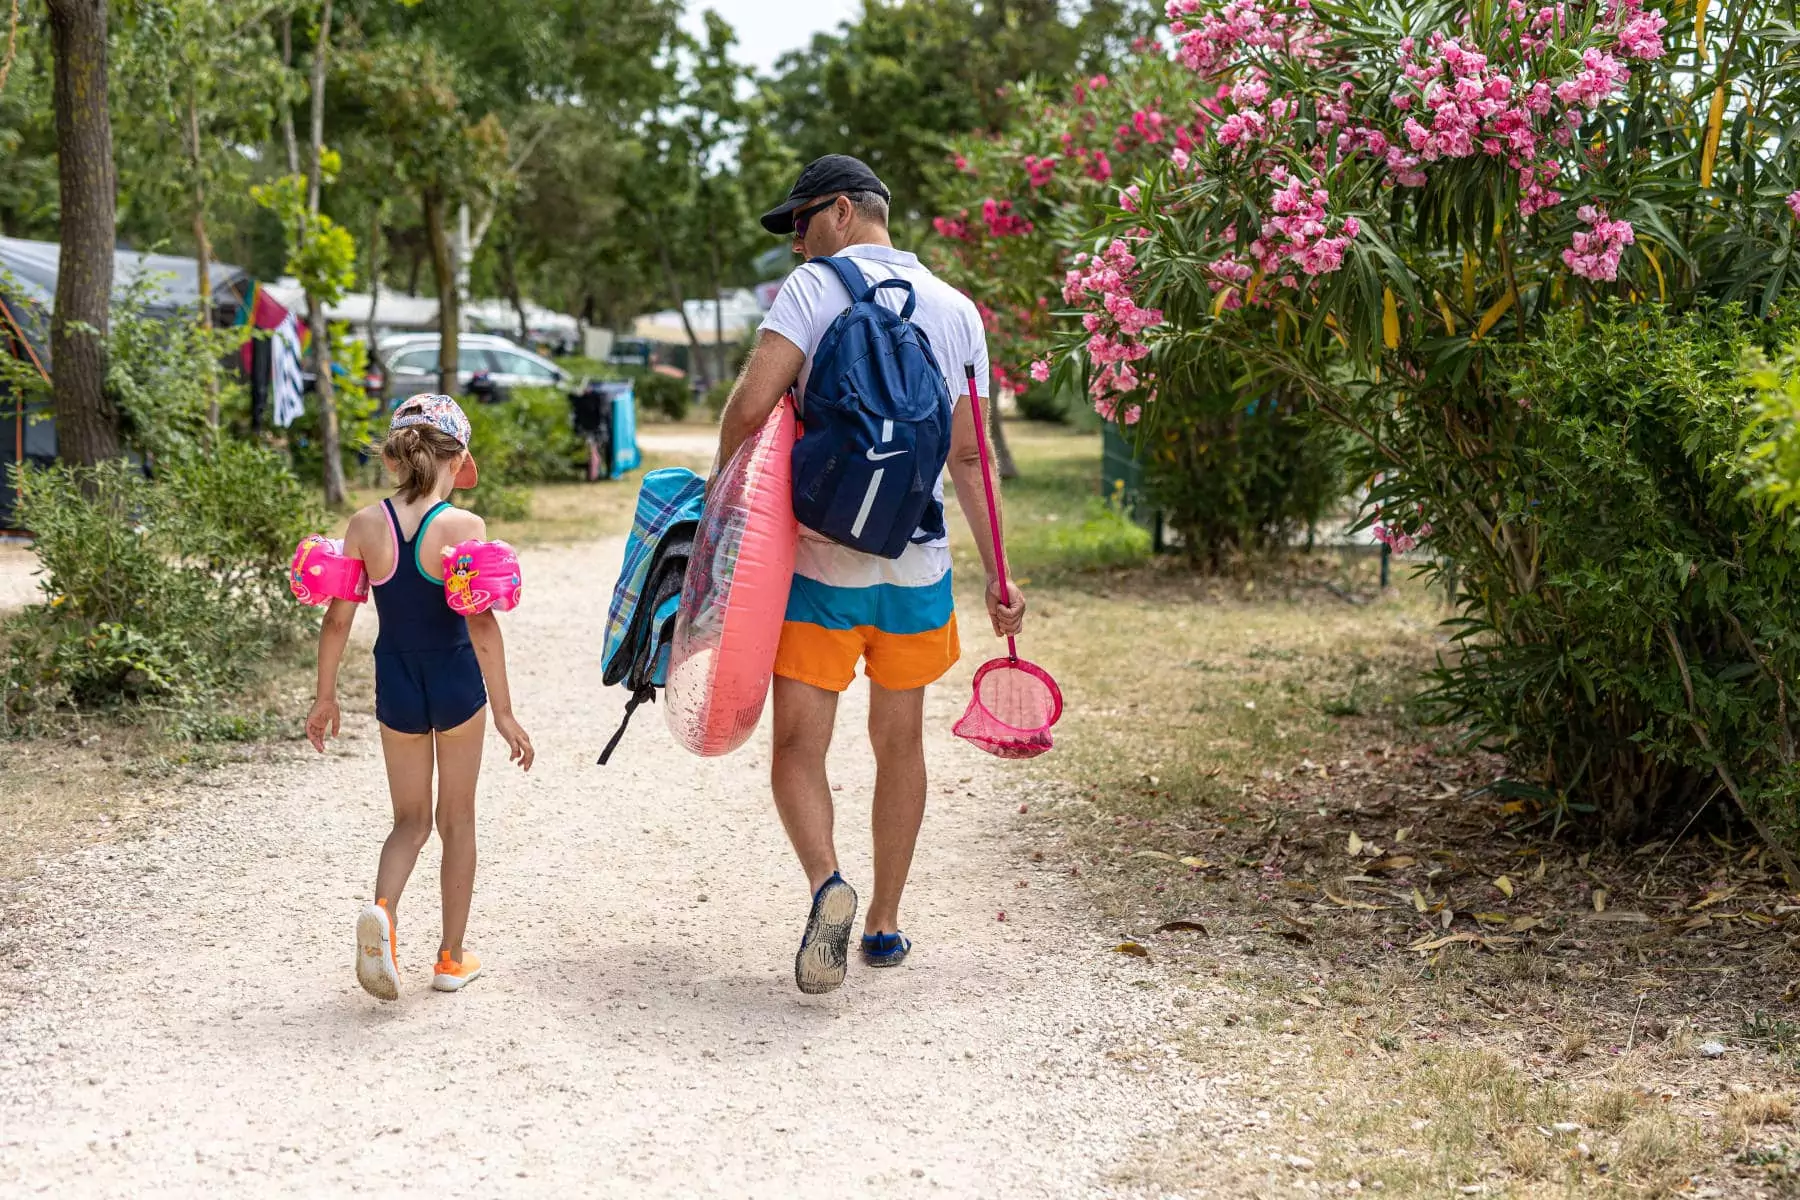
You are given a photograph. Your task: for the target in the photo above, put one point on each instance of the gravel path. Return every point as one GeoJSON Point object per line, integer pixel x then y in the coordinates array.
{"type": "Point", "coordinates": [179, 1016]}
{"type": "Point", "coordinates": [18, 579]}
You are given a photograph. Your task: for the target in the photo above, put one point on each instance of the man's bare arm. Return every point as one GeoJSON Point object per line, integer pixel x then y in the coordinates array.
{"type": "Point", "coordinates": [771, 370]}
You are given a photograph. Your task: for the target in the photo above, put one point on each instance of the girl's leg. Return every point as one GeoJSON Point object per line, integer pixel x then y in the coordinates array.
{"type": "Point", "coordinates": [459, 766]}
{"type": "Point", "coordinates": [408, 758]}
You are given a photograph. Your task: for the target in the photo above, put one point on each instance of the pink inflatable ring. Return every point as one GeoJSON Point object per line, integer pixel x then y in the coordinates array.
{"type": "Point", "coordinates": [481, 575]}
{"type": "Point", "coordinates": [735, 595]}
{"type": "Point", "coordinates": [321, 572]}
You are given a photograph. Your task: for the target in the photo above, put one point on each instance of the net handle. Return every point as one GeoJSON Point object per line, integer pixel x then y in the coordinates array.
{"type": "Point", "coordinates": [993, 506]}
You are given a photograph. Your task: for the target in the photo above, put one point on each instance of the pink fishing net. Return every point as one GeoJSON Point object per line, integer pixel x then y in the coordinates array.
{"type": "Point", "coordinates": [1014, 706]}
{"type": "Point", "coordinates": [1015, 702]}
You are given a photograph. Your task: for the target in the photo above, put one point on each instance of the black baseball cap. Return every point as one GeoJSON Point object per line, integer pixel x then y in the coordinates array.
{"type": "Point", "coordinates": [823, 176]}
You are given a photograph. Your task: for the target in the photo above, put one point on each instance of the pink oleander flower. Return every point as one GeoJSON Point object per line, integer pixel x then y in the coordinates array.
{"type": "Point", "coordinates": [1128, 198]}
{"type": "Point", "coordinates": [1040, 370]}
{"type": "Point", "coordinates": [1642, 36]}
{"type": "Point", "coordinates": [1180, 158]}
{"type": "Point", "coordinates": [1039, 170]}
{"type": "Point", "coordinates": [1594, 252]}
{"type": "Point", "coordinates": [1397, 540]}
{"type": "Point", "coordinates": [1100, 167]}
{"type": "Point", "coordinates": [1002, 221]}
{"type": "Point", "coordinates": [1793, 203]}
{"type": "Point", "coordinates": [950, 228]}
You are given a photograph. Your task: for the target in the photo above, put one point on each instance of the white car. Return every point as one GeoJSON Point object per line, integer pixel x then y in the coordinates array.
{"type": "Point", "coordinates": [412, 364]}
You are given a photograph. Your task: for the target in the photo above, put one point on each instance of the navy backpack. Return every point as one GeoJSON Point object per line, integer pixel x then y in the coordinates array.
{"type": "Point", "coordinates": [876, 421]}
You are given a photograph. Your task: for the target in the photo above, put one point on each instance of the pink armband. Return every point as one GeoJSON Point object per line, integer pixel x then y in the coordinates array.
{"type": "Point", "coordinates": [321, 573]}
{"type": "Point", "coordinates": [481, 575]}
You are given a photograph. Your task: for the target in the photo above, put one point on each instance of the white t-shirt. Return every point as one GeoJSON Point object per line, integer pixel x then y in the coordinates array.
{"type": "Point", "coordinates": [813, 297]}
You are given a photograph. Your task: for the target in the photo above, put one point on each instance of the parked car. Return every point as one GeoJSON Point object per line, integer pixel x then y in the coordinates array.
{"type": "Point", "coordinates": [412, 364]}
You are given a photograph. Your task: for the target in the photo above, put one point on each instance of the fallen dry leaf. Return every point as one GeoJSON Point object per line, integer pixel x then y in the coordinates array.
{"type": "Point", "coordinates": [1716, 896]}
{"type": "Point", "coordinates": [1191, 861]}
{"type": "Point", "coordinates": [1599, 900]}
{"type": "Point", "coordinates": [1154, 854]}
{"type": "Point", "coordinates": [1354, 846]}
{"type": "Point", "coordinates": [1621, 916]}
{"type": "Point", "coordinates": [1449, 915]}
{"type": "Point", "coordinates": [1419, 901]}
{"type": "Point", "coordinates": [1131, 948]}
{"type": "Point", "coordinates": [1491, 918]}
{"type": "Point", "coordinates": [1401, 834]}
{"type": "Point", "coordinates": [1542, 864]}
{"type": "Point", "coordinates": [1512, 808]}
{"type": "Point", "coordinates": [1181, 926]}
{"type": "Point", "coordinates": [1521, 924]}
{"type": "Point", "coordinates": [1393, 862]}
{"type": "Point", "coordinates": [1427, 944]}
{"type": "Point", "coordinates": [1505, 885]}
{"type": "Point", "coordinates": [1309, 999]}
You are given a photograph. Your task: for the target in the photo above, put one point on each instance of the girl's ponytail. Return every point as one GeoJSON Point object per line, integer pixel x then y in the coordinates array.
{"type": "Point", "coordinates": [416, 454]}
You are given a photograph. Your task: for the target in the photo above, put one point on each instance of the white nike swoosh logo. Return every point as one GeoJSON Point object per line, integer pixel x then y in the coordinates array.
{"type": "Point", "coordinates": [874, 457]}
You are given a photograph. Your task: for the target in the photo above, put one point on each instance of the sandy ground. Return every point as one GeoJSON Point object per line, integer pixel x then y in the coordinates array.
{"type": "Point", "coordinates": [18, 584]}
{"type": "Point", "coordinates": [676, 440]}
{"type": "Point", "coordinates": [179, 1015]}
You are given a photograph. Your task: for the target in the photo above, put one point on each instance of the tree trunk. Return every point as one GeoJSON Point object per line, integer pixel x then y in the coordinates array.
{"type": "Point", "coordinates": [315, 310]}
{"type": "Point", "coordinates": [86, 423]}
{"type": "Point", "coordinates": [202, 244]}
{"type": "Point", "coordinates": [721, 366]}
{"type": "Point", "coordinates": [444, 268]}
{"type": "Point", "coordinates": [375, 359]}
{"type": "Point", "coordinates": [320, 52]}
{"type": "Point", "coordinates": [1003, 459]}
{"type": "Point", "coordinates": [509, 277]}
{"type": "Point", "coordinates": [328, 415]}
{"type": "Point", "coordinates": [287, 110]}
{"type": "Point", "coordinates": [697, 363]}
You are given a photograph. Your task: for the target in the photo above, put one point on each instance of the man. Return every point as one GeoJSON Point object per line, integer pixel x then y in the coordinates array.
{"type": "Point", "coordinates": [894, 614]}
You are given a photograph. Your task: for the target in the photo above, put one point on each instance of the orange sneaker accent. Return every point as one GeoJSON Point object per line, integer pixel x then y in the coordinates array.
{"type": "Point", "coordinates": [375, 933]}
{"type": "Point", "coordinates": [393, 933]}
{"type": "Point", "coordinates": [448, 975]}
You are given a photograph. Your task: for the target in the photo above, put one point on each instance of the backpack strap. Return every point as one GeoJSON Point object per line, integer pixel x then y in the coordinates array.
{"type": "Point", "coordinates": [640, 696]}
{"type": "Point", "coordinates": [850, 275]}
{"type": "Point", "coordinates": [858, 285]}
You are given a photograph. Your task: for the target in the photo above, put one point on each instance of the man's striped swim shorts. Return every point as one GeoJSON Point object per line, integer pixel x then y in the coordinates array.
{"type": "Point", "coordinates": [897, 615]}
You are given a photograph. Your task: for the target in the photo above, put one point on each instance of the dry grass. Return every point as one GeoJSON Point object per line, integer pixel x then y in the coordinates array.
{"type": "Point", "coordinates": [1421, 981]}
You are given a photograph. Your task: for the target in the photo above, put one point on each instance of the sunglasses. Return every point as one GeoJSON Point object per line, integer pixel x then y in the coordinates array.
{"type": "Point", "coordinates": [804, 217]}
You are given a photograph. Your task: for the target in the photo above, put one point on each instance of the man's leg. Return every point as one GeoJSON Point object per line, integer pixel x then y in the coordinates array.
{"type": "Point", "coordinates": [804, 716]}
{"type": "Point", "coordinates": [897, 734]}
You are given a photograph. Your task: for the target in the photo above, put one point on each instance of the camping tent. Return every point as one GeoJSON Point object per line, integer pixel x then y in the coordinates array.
{"type": "Point", "coordinates": [28, 272]}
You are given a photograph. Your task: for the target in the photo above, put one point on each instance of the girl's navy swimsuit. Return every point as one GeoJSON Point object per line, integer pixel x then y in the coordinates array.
{"type": "Point", "coordinates": [427, 677]}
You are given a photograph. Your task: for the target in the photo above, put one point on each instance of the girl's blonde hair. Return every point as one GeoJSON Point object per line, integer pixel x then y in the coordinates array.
{"type": "Point", "coordinates": [417, 454]}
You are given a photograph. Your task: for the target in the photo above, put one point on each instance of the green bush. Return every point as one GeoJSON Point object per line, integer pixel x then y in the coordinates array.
{"type": "Point", "coordinates": [1235, 481]}
{"type": "Point", "coordinates": [664, 394]}
{"type": "Point", "coordinates": [1041, 402]}
{"type": "Point", "coordinates": [158, 593]}
{"type": "Point", "coordinates": [1630, 631]}
{"type": "Point", "coordinates": [716, 397]}
{"type": "Point", "coordinates": [528, 438]}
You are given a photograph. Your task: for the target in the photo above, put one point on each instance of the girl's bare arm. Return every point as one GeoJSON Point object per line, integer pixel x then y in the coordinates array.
{"type": "Point", "coordinates": [490, 651]}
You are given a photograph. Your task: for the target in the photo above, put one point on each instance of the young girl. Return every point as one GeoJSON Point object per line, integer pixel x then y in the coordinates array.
{"type": "Point", "coordinates": [436, 676]}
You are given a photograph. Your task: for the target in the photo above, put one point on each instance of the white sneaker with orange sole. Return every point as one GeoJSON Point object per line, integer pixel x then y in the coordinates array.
{"type": "Point", "coordinates": [448, 975]}
{"type": "Point", "coordinates": [377, 962]}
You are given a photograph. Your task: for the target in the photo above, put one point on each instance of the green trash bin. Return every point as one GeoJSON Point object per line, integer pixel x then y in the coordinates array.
{"type": "Point", "coordinates": [1122, 479]}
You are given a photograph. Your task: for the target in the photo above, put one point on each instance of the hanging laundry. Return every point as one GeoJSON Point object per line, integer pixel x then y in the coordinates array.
{"type": "Point", "coordinates": [284, 368]}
